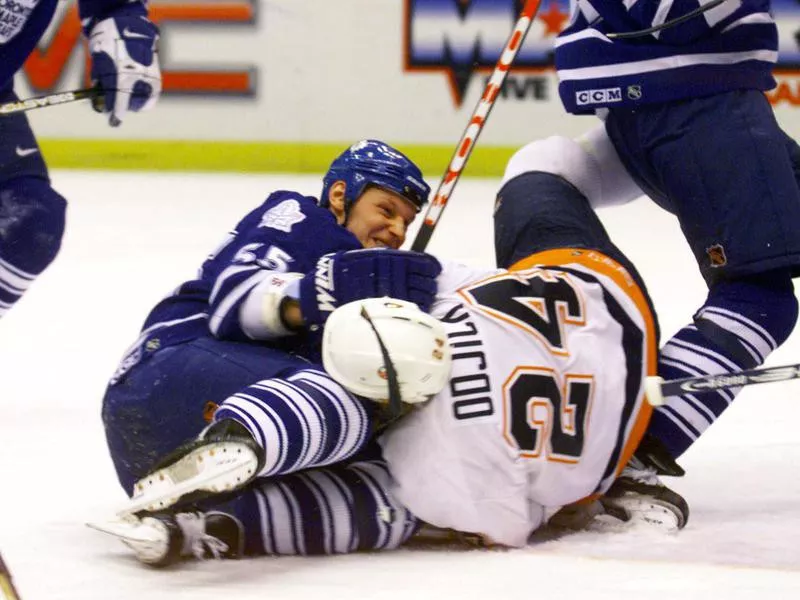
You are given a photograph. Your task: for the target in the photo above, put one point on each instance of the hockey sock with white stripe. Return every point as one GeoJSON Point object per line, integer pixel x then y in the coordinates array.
{"type": "Point", "coordinates": [304, 421]}
{"type": "Point", "coordinates": [333, 510]}
{"type": "Point", "coordinates": [741, 322]}
{"type": "Point", "coordinates": [31, 226]}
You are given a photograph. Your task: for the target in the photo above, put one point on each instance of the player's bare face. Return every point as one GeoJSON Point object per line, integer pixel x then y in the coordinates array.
{"type": "Point", "coordinates": [380, 218]}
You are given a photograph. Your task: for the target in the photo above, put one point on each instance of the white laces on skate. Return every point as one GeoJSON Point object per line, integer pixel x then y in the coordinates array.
{"type": "Point", "coordinates": [196, 540]}
{"type": "Point", "coordinates": [639, 472]}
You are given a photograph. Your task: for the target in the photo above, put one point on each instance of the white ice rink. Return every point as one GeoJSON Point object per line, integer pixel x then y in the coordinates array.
{"type": "Point", "coordinates": [132, 238]}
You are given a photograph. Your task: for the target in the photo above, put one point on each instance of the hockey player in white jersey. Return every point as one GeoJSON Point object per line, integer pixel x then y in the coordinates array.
{"type": "Point", "coordinates": [543, 405]}
{"type": "Point", "coordinates": [545, 401]}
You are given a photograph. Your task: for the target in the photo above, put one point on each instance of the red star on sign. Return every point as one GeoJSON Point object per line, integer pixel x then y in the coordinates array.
{"type": "Point", "coordinates": [554, 19]}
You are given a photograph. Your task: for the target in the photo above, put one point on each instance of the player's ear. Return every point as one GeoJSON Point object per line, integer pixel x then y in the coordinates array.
{"type": "Point", "coordinates": [337, 201]}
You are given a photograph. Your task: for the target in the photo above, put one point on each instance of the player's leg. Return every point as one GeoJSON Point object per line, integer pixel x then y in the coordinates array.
{"type": "Point", "coordinates": [589, 163]}
{"type": "Point", "coordinates": [547, 197]}
{"type": "Point", "coordinates": [32, 213]}
{"type": "Point", "coordinates": [741, 322]}
{"type": "Point", "coordinates": [727, 171]}
{"type": "Point", "coordinates": [334, 510]}
{"type": "Point", "coordinates": [338, 509]}
{"type": "Point", "coordinates": [167, 400]}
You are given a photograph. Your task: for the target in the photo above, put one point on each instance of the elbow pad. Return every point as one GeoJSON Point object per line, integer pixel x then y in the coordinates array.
{"type": "Point", "coordinates": [261, 313]}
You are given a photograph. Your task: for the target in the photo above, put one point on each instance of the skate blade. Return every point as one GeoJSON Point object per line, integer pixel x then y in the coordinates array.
{"type": "Point", "coordinates": [149, 542]}
{"type": "Point", "coordinates": [127, 529]}
{"type": "Point", "coordinates": [214, 468]}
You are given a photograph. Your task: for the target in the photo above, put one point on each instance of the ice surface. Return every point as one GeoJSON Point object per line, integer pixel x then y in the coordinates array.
{"type": "Point", "coordinates": [133, 237]}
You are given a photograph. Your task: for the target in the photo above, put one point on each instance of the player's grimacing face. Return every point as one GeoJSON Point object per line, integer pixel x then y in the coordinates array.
{"type": "Point", "coordinates": [380, 218]}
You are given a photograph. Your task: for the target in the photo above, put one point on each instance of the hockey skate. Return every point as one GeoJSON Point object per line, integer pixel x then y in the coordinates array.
{"type": "Point", "coordinates": [223, 458]}
{"type": "Point", "coordinates": [638, 495]}
{"type": "Point", "coordinates": [163, 539]}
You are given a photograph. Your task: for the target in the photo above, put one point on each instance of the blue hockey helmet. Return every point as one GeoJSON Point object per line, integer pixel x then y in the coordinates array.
{"type": "Point", "coordinates": [372, 162]}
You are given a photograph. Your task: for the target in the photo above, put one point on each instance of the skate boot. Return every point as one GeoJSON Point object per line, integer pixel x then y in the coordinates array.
{"type": "Point", "coordinates": [163, 539]}
{"type": "Point", "coordinates": [638, 495]}
{"type": "Point", "coordinates": [223, 458]}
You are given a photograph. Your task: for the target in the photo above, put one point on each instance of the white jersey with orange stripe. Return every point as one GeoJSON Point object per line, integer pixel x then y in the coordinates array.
{"type": "Point", "coordinates": [546, 398]}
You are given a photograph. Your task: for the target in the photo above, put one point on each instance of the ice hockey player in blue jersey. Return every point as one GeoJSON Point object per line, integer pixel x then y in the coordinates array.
{"type": "Point", "coordinates": [124, 64]}
{"type": "Point", "coordinates": [685, 111]}
{"type": "Point", "coordinates": [256, 308]}
{"type": "Point", "coordinates": [450, 459]}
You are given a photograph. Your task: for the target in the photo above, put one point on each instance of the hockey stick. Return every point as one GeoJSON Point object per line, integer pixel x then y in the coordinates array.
{"type": "Point", "coordinates": [475, 125]}
{"type": "Point", "coordinates": [7, 590]}
{"type": "Point", "coordinates": [657, 389]}
{"type": "Point", "coordinates": [10, 108]}
{"type": "Point", "coordinates": [676, 21]}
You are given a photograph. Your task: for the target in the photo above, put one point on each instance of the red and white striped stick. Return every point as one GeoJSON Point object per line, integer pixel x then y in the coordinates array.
{"type": "Point", "coordinates": [475, 125]}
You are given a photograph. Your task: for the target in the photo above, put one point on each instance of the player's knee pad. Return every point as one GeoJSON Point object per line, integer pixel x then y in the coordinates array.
{"type": "Point", "coordinates": [534, 194]}
{"type": "Point", "coordinates": [33, 216]}
{"type": "Point", "coordinates": [536, 211]}
{"type": "Point", "coordinates": [560, 156]}
{"type": "Point", "coordinates": [750, 316]}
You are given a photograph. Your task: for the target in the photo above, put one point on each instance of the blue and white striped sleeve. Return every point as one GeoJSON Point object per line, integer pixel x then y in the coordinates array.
{"type": "Point", "coordinates": [245, 303]}
{"type": "Point", "coordinates": [274, 246]}
{"type": "Point", "coordinates": [92, 11]}
{"type": "Point", "coordinates": [647, 14]}
{"type": "Point", "coordinates": [250, 275]}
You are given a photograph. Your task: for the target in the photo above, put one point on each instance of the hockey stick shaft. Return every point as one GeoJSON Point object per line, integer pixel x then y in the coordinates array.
{"type": "Point", "coordinates": [7, 589]}
{"type": "Point", "coordinates": [658, 389]}
{"type": "Point", "coordinates": [10, 108]}
{"type": "Point", "coordinates": [475, 126]}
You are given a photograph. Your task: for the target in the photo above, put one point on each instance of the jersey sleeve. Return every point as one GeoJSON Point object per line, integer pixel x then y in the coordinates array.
{"type": "Point", "coordinates": [456, 275]}
{"type": "Point", "coordinates": [272, 247]}
{"type": "Point", "coordinates": [92, 11]}
{"type": "Point", "coordinates": [633, 16]}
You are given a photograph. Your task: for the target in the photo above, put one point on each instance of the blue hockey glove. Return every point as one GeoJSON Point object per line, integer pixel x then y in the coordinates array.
{"type": "Point", "coordinates": [343, 277]}
{"type": "Point", "coordinates": [124, 61]}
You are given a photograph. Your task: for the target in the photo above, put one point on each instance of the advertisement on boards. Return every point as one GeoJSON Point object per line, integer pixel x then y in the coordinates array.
{"type": "Point", "coordinates": [307, 72]}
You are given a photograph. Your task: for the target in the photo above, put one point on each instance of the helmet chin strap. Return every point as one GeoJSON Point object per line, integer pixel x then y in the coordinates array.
{"type": "Point", "coordinates": [395, 400]}
{"type": "Point", "coordinates": [348, 206]}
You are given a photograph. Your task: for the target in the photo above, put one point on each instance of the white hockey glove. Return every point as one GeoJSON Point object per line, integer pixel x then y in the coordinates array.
{"type": "Point", "coordinates": [124, 61]}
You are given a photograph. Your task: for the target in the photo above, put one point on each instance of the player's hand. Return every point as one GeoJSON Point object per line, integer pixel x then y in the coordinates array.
{"type": "Point", "coordinates": [342, 277]}
{"type": "Point", "coordinates": [124, 61]}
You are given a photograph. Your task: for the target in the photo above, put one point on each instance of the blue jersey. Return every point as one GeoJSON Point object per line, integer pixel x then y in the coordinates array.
{"type": "Point", "coordinates": [23, 22]}
{"type": "Point", "coordinates": [288, 233]}
{"type": "Point", "coordinates": [732, 46]}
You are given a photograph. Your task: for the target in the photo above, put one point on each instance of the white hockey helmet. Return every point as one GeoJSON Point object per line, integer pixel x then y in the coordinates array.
{"type": "Point", "coordinates": [416, 344]}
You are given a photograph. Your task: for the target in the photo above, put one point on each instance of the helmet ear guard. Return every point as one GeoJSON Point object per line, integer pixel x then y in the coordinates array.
{"type": "Point", "coordinates": [372, 162]}
{"type": "Point", "coordinates": [368, 343]}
